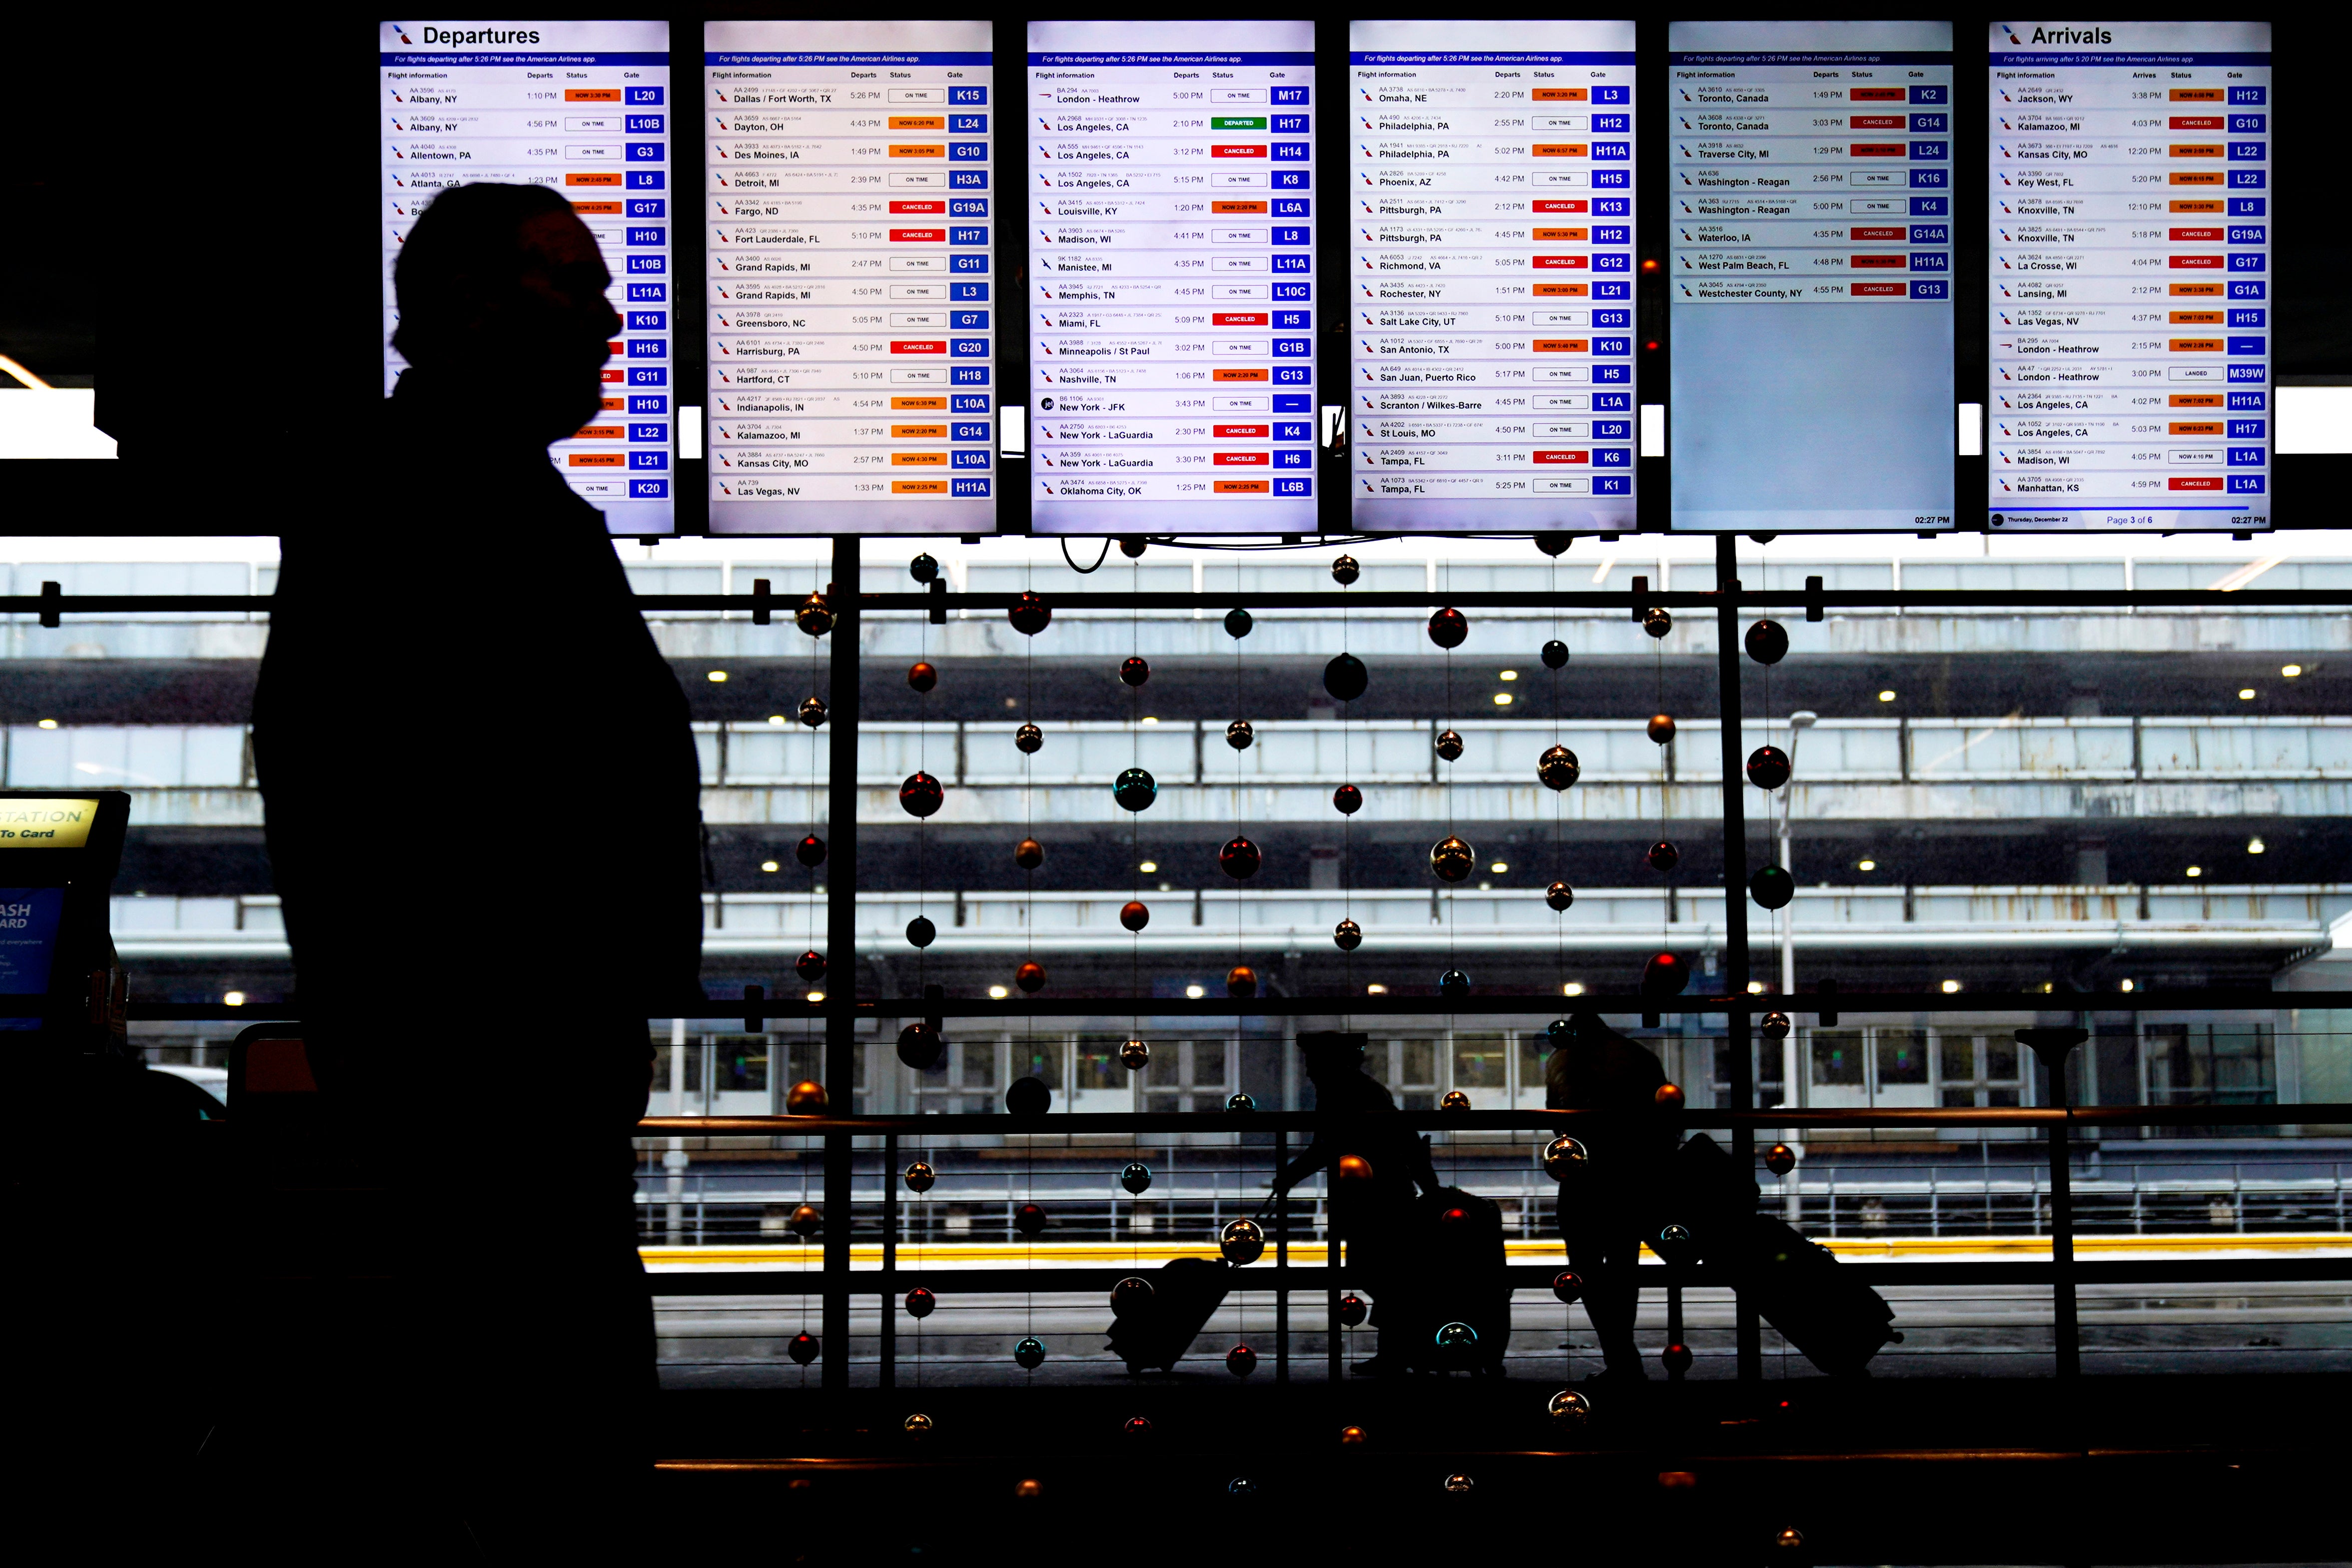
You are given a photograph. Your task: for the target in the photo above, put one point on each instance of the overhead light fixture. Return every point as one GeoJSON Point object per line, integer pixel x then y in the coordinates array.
{"type": "Point", "coordinates": [1508, 675]}
{"type": "Point", "coordinates": [1502, 699]}
{"type": "Point", "coordinates": [777, 719]}
{"type": "Point", "coordinates": [1148, 866]}
{"type": "Point", "coordinates": [2255, 846]}
{"type": "Point", "coordinates": [2245, 694]}
{"type": "Point", "coordinates": [1376, 989]}
{"type": "Point", "coordinates": [717, 677]}
{"type": "Point", "coordinates": [1573, 988]}
{"type": "Point", "coordinates": [816, 995]}
{"type": "Point", "coordinates": [49, 723]}
{"type": "Point", "coordinates": [1755, 988]}
{"type": "Point", "coordinates": [769, 866]}
{"type": "Point", "coordinates": [2289, 670]}
{"type": "Point", "coordinates": [1499, 867]}
{"type": "Point", "coordinates": [1950, 986]}
{"type": "Point", "coordinates": [1149, 720]}
{"type": "Point", "coordinates": [1196, 992]}
{"type": "Point", "coordinates": [232, 998]}
{"type": "Point", "coordinates": [998, 992]}
{"type": "Point", "coordinates": [1866, 865]}
{"type": "Point", "coordinates": [1886, 697]}
{"type": "Point", "coordinates": [2196, 872]}
{"type": "Point", "coordinates": [2123, 985]}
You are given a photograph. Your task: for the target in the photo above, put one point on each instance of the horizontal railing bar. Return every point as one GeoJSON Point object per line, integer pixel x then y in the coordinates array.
{"type": "Point", "coordinates": [782, 604]}
{"type": "Point", "coordinates": [1805, 1003]}
{"type": "Point", "coordinates": [1081, 1123]}
{"type": "Point", "coordinates": [949, 1283]}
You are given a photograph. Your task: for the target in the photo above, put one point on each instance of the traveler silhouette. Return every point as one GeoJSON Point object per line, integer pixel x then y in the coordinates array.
{"type": "Point", "coordinates": [1604, 1207]}
{"type": "Point", "coordinates": [1372, 1213]}
{"type": "Point", "coordinates": [481, 794]}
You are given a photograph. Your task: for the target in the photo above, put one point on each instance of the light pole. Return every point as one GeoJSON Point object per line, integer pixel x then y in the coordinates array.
{"type": "Point", "coordinates": [1803, 720]}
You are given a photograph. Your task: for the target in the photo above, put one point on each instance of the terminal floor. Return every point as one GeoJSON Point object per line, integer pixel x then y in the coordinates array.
{"type": "Point", "coordinates": [2119, 1469]}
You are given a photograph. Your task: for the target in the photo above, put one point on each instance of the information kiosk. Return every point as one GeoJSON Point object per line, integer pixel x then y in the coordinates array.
{"type": "Point", "coordinates": [58, 854]}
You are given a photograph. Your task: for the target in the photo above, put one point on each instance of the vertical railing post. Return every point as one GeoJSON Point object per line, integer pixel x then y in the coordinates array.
{"type": "Point", "coordinates": [840, 953]}
{"type": "Point", "coordinates": [1281, 1264]}
{"type": "Point", "coordinates": [2053, 1046]}
{"type": "Point", "coordinates": [888, 1350]}
{"type": "Point", "coordinates": [1747, 1334]}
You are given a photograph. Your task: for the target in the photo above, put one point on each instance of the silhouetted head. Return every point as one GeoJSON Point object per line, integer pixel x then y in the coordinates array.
{"type": "Point", "coordinates": [502, 295]}
{"type": "Point", "coordinates": [1332, 1054]}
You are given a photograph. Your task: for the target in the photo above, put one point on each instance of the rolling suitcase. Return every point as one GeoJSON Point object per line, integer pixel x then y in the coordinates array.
{"type": "Point", "coordinates": [1460, 1278]}
{"type": "Point", "coordinates": [1158, 1332]}
{"type": "Point", "coordinates": [1829, 1315]}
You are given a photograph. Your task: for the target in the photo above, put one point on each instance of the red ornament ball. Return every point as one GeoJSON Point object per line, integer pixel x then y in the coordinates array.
{"type": "Point", "coordinates": [920, 795]}
{"type": "Point", "coordinates": [1028, 855]}
{"type": "Point", "coordinates": [1030, 614]}
{"type": "Point", "coordinates": [810, 851]}
{"type": "Point", "coordinates": [810, 966]}
{"type": "Point", "coordinates": [1030, 977]}
{"type": "Point", "coordinates": [1239, 859]}
{"type": "Point", "coordinates": [1348, 800]}
{"type": "Point", "coordinates": [1449, 627]}
{"type": "Point", "coordinates": [1241, 1361]}
{"type": "Point", "coordinates": [1241, 981]}
{"type": "Point", "coordinates": [922, 675]}
{"type": "Point", "coordinates": [1134, 914]}
{"type": "Point", "coordinates": [802, 1349]}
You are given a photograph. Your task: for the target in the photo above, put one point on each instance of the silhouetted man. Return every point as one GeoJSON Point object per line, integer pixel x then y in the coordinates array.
{"type": "Point", "coordinates": [482, 796]}
{"type": "Point", "coordinates": [1605, 1207]}
{"type": "Point", "coordinates": [1371, 1211]}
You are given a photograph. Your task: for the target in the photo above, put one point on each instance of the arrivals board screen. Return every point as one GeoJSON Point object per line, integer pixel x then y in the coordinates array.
{"type": "Point", "coordinates": [581, 108]}
{"type": "Point", "coordinates": [1490, 225]}
{"type": "Point", "coordinates": [1171, 287]}
{"type": "Point", "coordinates": [2129, 214]}
{"type": "Point", "coordinates": [850, 277]}
{"type": "Point", "coordinates": [1809, 288]}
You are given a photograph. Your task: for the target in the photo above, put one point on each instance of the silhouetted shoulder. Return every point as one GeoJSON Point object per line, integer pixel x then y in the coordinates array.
{"type": "Point", "coordinates": [1600, 1070]}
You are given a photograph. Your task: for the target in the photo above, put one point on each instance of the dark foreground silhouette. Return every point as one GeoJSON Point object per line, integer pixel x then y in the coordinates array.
{"type": "Point", "coordinates": [480, 783]}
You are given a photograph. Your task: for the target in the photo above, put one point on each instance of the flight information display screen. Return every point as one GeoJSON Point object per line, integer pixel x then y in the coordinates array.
{"type": "Point", "coordinates": [2129, 218]}
{"type": "Point", "coordinates": [1810, 293]}
{"type": "Point", "coordinates": [581, 108]}
{"type": "Point", "coordinates": [1173, 276]}
{"type": "Point", "coordinates": [1490, 222]}
{"type": "Point", "coordinates": [850, 272]}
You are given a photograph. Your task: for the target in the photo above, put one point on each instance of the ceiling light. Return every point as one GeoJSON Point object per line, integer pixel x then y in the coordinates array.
{"type": "Point", "coordinates": [1375, 990]}
{"type": "Point", "coordinates": [1012, 702]}
{"type": "Point", "coordinates": [1196, 992]}
{"type": "Point", "coordinates": [2245, 694]}
{"type": "Point", "coordinates": [717, 677]}
{"type": "Point", "coordinates": [1148, 866]}
{"type": "Point", "coordinates": [1886, 697]}
{"type": "Point", "coordinates": [769, 866]}
{"type": "Point", "coordinates": [2123, 985]}
{"type": "Point", "coordinates": [1573, 988]}
{"type": "Point", "coordinates": [1499, 867]}
{"type": "Point", "coordinates": [816, 995]}
{"type": "Point", "coordinates": [49, 723]}
{"type": "Point", "coordinates": [1149, 720]}
{"type": "Point", "coordinates": [2196, 870]}
{"type": "Point", "coordinates": [2255, 846]}
{"type": "Point", "coordinates": [998, 992]}
{"type": "Point", "coordinates": [2289, 670]}
{"type": "Point", "coordinates": [1502, 699]}
{"type": "Point", "coordinates": [1866, 865]}
{"type": "Point", "coordinates": [777, 719]}
{"type": "Point", "coordinates": [1508, 675]}
{"type": "Point", "coordinates": [1950, 986]}
{"type": "Point", "coordinates": [232, 998]}
{"type": "Point", "coordinates": [1755, 988]}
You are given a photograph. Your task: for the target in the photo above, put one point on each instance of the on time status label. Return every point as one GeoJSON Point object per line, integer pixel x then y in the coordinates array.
{"type": "Point", "coordinates": [581, 108]}
{"type": "Point", "coordinates": [1490, 222]}
{"type": "Point", "coordinates": [850, 275]}
{"type": "Point", "coordinates": [1170, 190]}
{"type": "Point", "coordinates": [1810, 286]}
{"type": "Point", "coordinates": [2129, 214]}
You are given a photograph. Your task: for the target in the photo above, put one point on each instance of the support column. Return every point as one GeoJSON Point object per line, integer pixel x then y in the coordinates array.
{"type": "Point", "coordinates": [1747, 1336]}
{"type": "Point", "coordinates": [841, 952]}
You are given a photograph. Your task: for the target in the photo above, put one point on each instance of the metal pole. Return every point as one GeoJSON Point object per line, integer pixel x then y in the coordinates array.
{"type": "Point", "coordinates": [2066, 1328]}
{"type": "Point", "coordinates": [1747, 1334]}
{"type": "Point", "coordinates": [1281, 1266]}
{"type": "Point", "coordinates": [841, 952]}
{"type": "Point", "coordinates": [674, 1156]}
{"type": "Point", "coordinates": [889, 1346]}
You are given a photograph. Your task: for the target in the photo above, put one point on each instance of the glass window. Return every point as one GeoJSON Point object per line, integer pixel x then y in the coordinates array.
{"type": "Point", "coordinates": [1902, 1055]}
{"type": "Point", "coordinates": [1480, 1062]}
{"type": "Point", "coordinates": [980, 1064]}
{"type": "Point", "coordinates": [1837, 1057]}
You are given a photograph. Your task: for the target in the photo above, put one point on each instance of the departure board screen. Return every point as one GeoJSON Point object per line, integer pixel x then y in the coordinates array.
{"type": "Point", "coordinates": [2129, 214]}
{"type": "Point", "coordinates": [850, 277]}
{"type": "Point", "coordinates": [1490, 223]}
{"type": "Point", "coordinates": [1810, 294]}
{"type": "Point", "coordinates": [1173, 276]}
{"type": "Point", "coordinates": [581, 108]}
